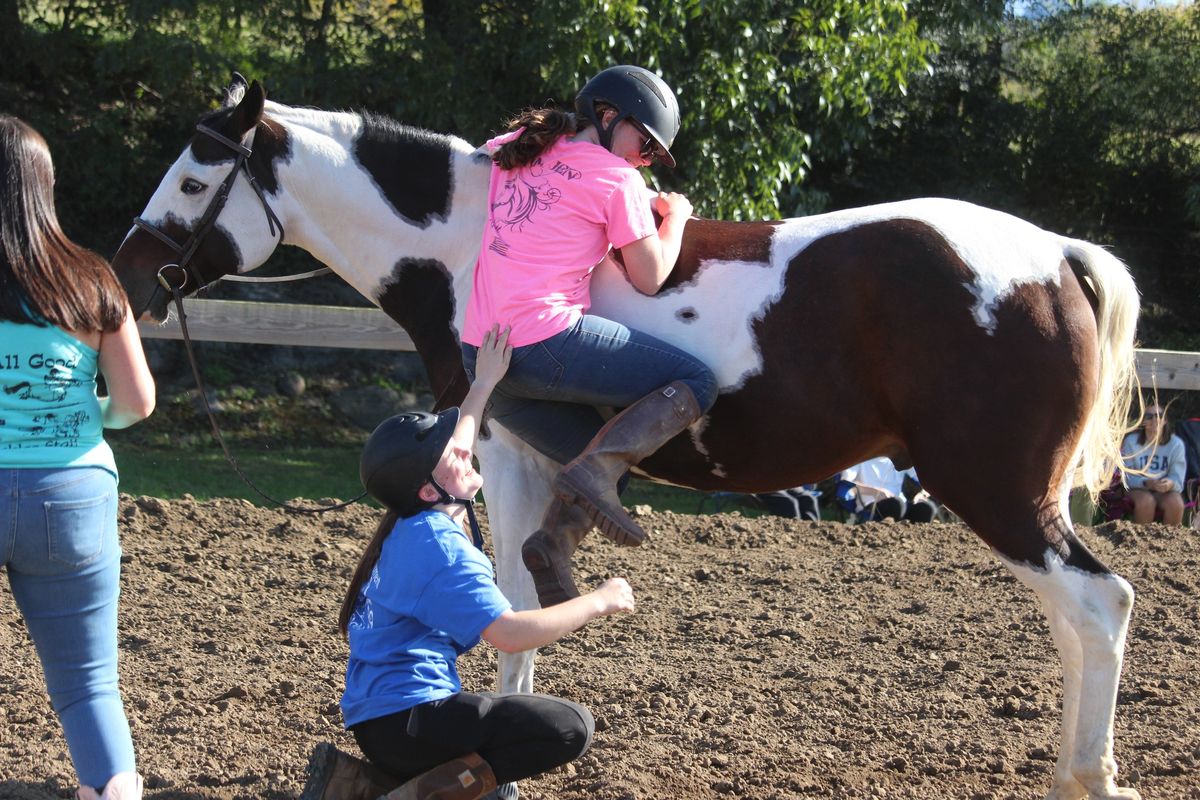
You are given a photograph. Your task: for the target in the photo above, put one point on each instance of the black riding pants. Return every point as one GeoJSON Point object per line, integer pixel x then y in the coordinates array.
{"type": "Point", "coordinates": [519, 735]}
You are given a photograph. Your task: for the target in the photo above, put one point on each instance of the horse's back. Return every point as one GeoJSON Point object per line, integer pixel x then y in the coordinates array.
{"type": "Point", "coordinates": [931, 328]}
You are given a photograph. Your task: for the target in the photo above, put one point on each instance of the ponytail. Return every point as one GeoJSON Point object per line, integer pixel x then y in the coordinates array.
{"type": "Point", "coordinates": [367, 563]}
{"type": "Point", "coordinates": [543, 127]}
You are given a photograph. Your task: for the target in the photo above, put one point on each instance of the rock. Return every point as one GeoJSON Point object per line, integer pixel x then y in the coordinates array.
{"type": "Point", "coordinates": [291, 384]}
{"type": "Point", "coordinates": [367, 406]}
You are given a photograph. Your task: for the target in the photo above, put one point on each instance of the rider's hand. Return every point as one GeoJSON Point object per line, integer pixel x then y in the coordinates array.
{"type": "Point", "coordinates": [672, 204]}
{"type": "Point", "coordinates": [492, 360]}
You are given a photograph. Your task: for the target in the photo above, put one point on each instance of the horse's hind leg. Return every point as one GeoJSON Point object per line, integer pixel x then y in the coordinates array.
{"type": "Point", "coordinates": [1088, 610]}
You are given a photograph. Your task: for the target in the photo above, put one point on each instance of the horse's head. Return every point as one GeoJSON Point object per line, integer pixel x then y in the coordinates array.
{"type": "Point", "coordinates": [209, 216]}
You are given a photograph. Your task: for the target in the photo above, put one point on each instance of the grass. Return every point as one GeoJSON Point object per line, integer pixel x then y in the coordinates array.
{"type": "Point", "coordinates": [287, 473]}
{"type": "Point", "coordinates": [299, 448]}
{"type": "Point", "coordinates": [203, 472]}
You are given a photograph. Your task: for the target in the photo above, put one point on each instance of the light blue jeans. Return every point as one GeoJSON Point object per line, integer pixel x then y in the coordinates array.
{"type": "Point", "coordinates": [550, 393]}
{"type": "Point", "coordinates": [58, 541]}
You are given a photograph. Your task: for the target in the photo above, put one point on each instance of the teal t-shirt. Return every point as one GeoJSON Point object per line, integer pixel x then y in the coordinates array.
{"type": "Point", "coordinates": [49, 412]}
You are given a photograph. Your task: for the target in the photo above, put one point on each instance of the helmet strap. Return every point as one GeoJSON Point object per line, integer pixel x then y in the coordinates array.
{"type": "Point", "coordinates": [449, 499]}
{"type": "Point", "coordinates": [606, 134]}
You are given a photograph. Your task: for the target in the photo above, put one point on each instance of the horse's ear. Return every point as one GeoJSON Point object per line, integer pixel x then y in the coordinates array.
{"type": "Point", "coordinates": [249, 110]}
{"type": "Point", "coordinates": [236, 90]}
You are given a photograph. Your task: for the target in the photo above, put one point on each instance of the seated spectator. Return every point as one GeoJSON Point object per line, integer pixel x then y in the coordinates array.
{"type": "Point", "coordinates": [1157, 456]}
{"type": "Point", "coordinates": [798, 503]}
{"type": "Point", "coordinates": [875, 490]}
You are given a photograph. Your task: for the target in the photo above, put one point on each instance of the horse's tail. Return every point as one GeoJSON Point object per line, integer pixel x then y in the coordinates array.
{"type": "Point", "coordinates": [1116, 321]}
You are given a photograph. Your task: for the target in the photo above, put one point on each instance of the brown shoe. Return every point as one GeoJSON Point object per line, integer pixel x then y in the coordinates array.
{"type": "Point", "coordinates": [590, 481]}
{"type": "Point", "coordinates": [334, 775]}
{"type": "Point", "coordinates": [465, 778]}
{"type": "Point", "coordinates": [547, 552]}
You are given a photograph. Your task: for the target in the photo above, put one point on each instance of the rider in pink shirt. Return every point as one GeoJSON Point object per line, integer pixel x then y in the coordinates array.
{"type": "Point", "coordinates": [565, 189]}
{"type": "Point", "coordinates": [550, 224]}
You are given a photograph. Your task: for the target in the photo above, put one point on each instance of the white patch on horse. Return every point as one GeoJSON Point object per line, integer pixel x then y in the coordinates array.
{"type": "Point", "coordinates": [720, 332]}
{"type": "Point", "coordinates": [337, 204]}
{"type": "Point", "coordinates": [1089, 617]}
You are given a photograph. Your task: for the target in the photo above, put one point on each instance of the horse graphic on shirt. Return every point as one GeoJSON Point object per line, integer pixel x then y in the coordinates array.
{"type": "Point", "coordinates": [519, 200]}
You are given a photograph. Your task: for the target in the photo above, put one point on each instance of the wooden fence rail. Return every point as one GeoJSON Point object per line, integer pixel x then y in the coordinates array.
{"type": "Point", "coordinates": [371, 329]}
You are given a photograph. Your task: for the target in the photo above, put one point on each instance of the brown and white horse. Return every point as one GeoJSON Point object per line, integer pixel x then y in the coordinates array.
{"type": "Point", "coordinates": [995, 356]}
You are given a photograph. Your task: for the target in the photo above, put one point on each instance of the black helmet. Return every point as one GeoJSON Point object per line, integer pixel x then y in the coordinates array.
{"type": "Point", "coordinates": [636, 93]}
{"type": "Point", "coordinates": [400, 455]}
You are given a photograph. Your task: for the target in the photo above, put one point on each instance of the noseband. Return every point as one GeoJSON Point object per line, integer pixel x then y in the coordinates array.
{"type": "Point", "coordinates": [208, 221]}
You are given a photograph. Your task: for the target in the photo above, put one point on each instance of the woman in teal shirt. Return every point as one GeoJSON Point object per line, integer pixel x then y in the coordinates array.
{"type": "Point", "coordinates": [64, 319]}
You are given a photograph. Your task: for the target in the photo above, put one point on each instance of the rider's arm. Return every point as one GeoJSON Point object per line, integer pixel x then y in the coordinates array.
{"type": "Point", "coordinates": [649, 260]}
{"type": "Point", "coordinates": [130, 385]}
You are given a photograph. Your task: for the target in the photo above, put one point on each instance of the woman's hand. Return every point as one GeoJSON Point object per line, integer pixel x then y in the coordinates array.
{"type": "Point", "coordinates": [494, 354]}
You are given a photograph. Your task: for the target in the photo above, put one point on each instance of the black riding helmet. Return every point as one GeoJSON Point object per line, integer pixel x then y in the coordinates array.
{"type": "Point", "coordinates": [400, 455]}
{"type": "Point", "coordinates": [635, 93]}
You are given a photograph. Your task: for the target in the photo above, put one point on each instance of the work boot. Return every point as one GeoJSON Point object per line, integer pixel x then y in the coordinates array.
{"type": "Point", "coordinates": [466, 778]}
{"type": "Point", "coordinates": [590, 481]}
{"type": "Point", "coordinates": [334, 775]}
{"type": "Point", "coordinates": [547, 552]}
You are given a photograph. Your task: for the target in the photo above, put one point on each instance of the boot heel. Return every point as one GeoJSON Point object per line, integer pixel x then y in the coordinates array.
{"type": "Point", "coordinates": [552, 586]}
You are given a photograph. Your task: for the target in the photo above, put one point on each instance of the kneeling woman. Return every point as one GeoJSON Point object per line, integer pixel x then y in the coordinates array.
{"type": "Point", "coordinates": [422, 595]}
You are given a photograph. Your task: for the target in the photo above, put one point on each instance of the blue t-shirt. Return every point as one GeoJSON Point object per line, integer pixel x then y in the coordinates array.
{"type": "Point", "coordinates": [49, 413]}
{"type": "Point", "coordinates": [428, 599]}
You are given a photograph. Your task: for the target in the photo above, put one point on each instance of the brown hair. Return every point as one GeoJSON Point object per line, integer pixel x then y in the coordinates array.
{"type": "Point", "coordinates": [543, 127]}
{"type": "Point", "coordinates": [45, 278]}
{"type": "Point", "coordinates": [365, 564]}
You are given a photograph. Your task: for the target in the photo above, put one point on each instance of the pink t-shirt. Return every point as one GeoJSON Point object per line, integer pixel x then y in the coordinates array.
{"type": "Point", "coordinates": [549, 224]}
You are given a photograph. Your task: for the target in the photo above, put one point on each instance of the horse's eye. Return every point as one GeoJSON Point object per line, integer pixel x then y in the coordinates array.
{"type": "Point", "coordinates": [192, 186]}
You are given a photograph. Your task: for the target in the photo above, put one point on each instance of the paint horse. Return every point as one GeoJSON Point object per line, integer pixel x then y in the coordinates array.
{"type": "Point", "coordinates": [995, 356]}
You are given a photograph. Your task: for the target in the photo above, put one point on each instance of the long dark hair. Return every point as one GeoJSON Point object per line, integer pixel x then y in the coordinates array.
{"type": "Point", "coordinates": [45, 278]}
{"type": "Point", "coordinates": [543, 127]}
{"type": "Point", "coordinates": [365, 564]}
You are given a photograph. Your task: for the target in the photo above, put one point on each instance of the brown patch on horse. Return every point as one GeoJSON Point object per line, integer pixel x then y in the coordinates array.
{"type": "Point", "coordinates": [714, 240]}
{"type": "Point", "coordinates": [873, 349]}
{"type": "Point", "coordinates": [420, 297]}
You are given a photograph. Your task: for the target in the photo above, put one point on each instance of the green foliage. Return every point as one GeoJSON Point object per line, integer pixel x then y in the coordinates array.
{"type": "Point", "coordinates": [115, 85]}
{"type": "Point", "coordinates": [1082, 119]}
{"type": "Point", "coordinates": [1078, 115]}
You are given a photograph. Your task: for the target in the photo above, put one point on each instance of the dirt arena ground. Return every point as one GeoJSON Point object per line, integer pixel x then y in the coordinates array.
{"type": "Point", "coordinates": [767, 659]}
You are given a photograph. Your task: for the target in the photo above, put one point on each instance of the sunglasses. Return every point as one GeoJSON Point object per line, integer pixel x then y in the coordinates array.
{"type": "Point", "coordinates": [651, 150]}
{"type": "Point", "coordinates": [1154, 416]}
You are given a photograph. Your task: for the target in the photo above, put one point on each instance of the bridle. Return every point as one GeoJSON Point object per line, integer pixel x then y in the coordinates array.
{"type": "Point", "coordinates": [186, 251]}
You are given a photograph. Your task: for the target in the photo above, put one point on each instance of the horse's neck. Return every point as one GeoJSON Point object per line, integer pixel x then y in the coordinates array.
{"type": "Point", "coordinates": [337, 211]}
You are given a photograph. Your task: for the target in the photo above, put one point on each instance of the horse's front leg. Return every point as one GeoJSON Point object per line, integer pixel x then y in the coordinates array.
{"type": "Point", "coordinates": [1089, 617]}
{"type": "Point", "coordinates": [516, 488]}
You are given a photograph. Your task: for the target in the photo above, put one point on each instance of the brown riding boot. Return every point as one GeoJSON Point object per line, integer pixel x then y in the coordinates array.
{"type": "Point", "coordinates": [334, 775]}
{"type": "Point", "coordinates": [590, 481]}
{"type": "Point", "coordinates": [547, 552]}
{"type": "Point", "coordinates": [466, 778]}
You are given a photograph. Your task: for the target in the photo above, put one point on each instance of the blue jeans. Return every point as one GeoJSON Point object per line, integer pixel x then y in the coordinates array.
{"type": "Point", "coordinates": [58, 541]}
{"type": "Point", "coordinates": [550, 393]}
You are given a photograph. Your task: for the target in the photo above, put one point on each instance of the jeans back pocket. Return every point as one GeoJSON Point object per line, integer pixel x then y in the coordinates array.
{"type": "Point", "coordinates": [75, 529]}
